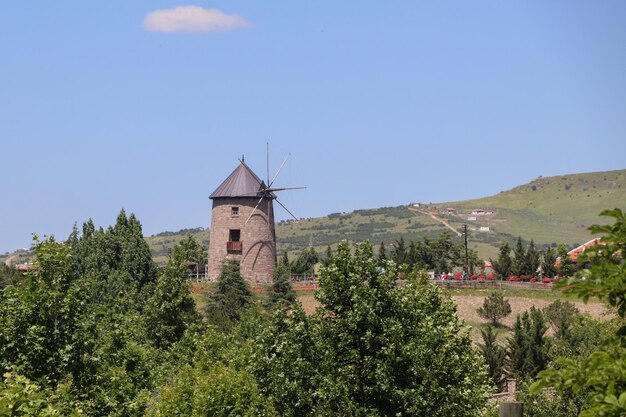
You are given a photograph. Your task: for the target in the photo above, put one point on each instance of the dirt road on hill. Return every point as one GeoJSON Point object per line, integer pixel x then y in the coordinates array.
{"type": "Point", "coordinates": [442, 221]}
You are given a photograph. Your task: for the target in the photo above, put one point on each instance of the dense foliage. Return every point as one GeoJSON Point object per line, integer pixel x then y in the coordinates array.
{"type": "Point", "coordinates": [494, 356]}
{"type": "Point", "coordinates": [96, 329]}
{"type": "Point", "coordinates": [281, 292]}
{"type": "Point", "coordinates": [373, 348]}
{"type": "Point", "coordinates": [441, 254]}
{"type": "Point", "coordinates": [233, 295]}
{"type": "Point", "coordinates": [600, 376]}
{"type": "Point", "coordinates": [527, 347]}
{"type": "Point", "coordinates": [9, 276]}
{"type": "Point", "coordinates": [531, 262]}
{"type": "Point", "coordinates": [92, 329]}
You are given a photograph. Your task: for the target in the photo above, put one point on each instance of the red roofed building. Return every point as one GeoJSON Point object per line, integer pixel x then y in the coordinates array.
{"type": "Point", "coordinates": [575, 253]}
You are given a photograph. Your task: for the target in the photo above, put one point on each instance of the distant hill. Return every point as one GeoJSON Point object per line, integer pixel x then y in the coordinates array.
{"type": "Point", "coordinates": [549, 210]}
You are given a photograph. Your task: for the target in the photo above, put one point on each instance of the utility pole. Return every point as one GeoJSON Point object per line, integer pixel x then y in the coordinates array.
{"type": "Point", "coordinates": [466, 254]}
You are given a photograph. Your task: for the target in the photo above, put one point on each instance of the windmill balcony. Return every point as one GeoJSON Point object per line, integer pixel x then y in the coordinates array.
{"type": "Point", "coordinates": [233, 246]}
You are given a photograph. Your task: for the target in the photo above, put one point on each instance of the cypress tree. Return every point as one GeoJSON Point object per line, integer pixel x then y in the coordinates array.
{"type": "Point", "coordinates": [382, 254]}
{"type": "Point", "coordinates": [533, 260]}
{"type": "Point", "coordinates": [494, 356]}
{"type": "Point", "coordinates": [398, 254]}
{"type": "Point", "coordinates": [519, 264]}
{"type": "Point", "coordinates": [502, 266]}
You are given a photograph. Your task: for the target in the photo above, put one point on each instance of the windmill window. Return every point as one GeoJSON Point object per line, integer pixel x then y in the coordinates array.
{"type": "Point", "coordinates": [234, 235]}
{"type": "Point", "coordinates": [234, 211]}
{"type": "Point", "coordinates": [234, 245]}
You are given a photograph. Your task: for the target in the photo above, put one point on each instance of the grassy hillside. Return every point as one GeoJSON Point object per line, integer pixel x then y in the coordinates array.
{"type": "Point", "coordinates": [549, 210]}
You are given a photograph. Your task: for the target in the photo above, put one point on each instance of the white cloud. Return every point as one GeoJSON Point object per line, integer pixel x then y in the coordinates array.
{"type": "Point", "coordinates": [191, 19]}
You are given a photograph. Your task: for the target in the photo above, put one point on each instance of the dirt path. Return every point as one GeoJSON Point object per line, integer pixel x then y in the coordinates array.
{"type": "Point", "coordinates": [442, 221]}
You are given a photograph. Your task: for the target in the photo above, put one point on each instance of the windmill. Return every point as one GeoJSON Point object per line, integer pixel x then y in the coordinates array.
{"type": "Point", "coordinates": [242, 222]}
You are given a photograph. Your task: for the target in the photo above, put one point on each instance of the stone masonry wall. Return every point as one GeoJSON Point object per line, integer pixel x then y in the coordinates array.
{"type": "Point", "coordinates": [258, 237]}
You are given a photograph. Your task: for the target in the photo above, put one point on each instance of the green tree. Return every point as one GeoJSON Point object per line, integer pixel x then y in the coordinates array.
{"type": "Point", "coordinates": [601, 375]}
{"type": "Point", "coordinates": [412, 255]}
{"type": "Point", "coordinates": [548, 262]}
{"type": "Point", "coordinates": [399, 252]}
{"type": "Point", "coordinates": [495, 307]}
{"type": "Point", "coordinates": [170, 310]}
{"type": "Point", "coordinates": [233, 296]}
{"type": "Point", "coordinates": [425, 253]}
{"type": "Point", "coordinates": [329, 254]}
{"type": "Point", "coordinates": [381, 349]}
{"type": "Point", "coordinates": [9, 276]}
{"type": "Point", "coordinates": [567, 267]}
{"type": "Point", "coordinates": [188, 252]}
{"type": "Point", "coordinates": [519, 265]}
{"type": "Point", "coordinates": [305, 262]}
{"type": "Point", "coordinates": [19, 397]}
{"type": "Point", "coordinates": [494, 356]}
{"type": "Point", "coordinates": [213, 383]}
{"type": "Point", "coordinates": [285, 362]}
{"type": "Point", "coordinates": [584, 334]}
{"type": "Point", "coordinates": [281, 292]}
{"type": "Point", "coordinates": [45, 323]}
{"type": "Point", "coordinates": [533, 259]}
{"type": "Point", "coordinates": [119, 251]}
{"type": "Point", "coordinates": [547, 404]}
{"type": "Point", "coordinates": [560, 315]}
{"type": "Point", "coordinates": [134, 253]}
{"type": "Point", "coordinates": [527, 347]}
{"type": "Point", "coordinates": [502, 266]}
{"type": "Point", "coordinates": [382, 254]}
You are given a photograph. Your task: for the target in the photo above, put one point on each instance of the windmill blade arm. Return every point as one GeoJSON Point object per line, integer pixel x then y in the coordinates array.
{"type": "Point", "coordinates": [266, 190]}
{"type": "Point", "coordinates": [279, 169]}
{"type": "Point", "coordinates": [251, 194]}
{"type": "Point", "coordinates": [253, 210]}
{"type": "Point", "coordinates": [283, 206]}
{"type": "Point", "coordinates": [283, 189]}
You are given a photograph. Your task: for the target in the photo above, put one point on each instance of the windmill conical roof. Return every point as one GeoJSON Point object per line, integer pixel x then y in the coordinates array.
{"type": "Point", "coordinates": [242, 182]}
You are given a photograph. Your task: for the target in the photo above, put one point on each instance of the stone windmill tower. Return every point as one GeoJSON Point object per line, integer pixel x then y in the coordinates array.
{"type": "Point", "coordinates": [242, 224]}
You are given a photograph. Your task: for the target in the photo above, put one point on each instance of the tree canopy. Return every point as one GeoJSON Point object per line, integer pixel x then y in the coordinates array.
{"type": "Point", "coordinates": [373, 348]}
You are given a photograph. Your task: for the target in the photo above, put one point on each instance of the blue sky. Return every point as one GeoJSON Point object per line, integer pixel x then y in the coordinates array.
{"type": "Point", "coordinates": [147, 105]}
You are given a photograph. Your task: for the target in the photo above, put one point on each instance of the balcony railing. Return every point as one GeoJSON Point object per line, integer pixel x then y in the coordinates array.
{"type": "Point", "coordinates": [233, 246]}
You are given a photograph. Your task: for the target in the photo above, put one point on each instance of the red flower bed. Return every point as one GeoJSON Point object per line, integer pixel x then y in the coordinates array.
{"type": "Point", "coordinates": [491, 276]}
{"type": "Point", "coordinates": [513, 278]}
{"type": "Point", "coordinates": [546, 280]}
{"type": "Point", "coordinates": [473, 277]}
{"type": "Point", "coordinates": [458, 276]}
{"type": "Point", "coordinates": [533, 279]}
